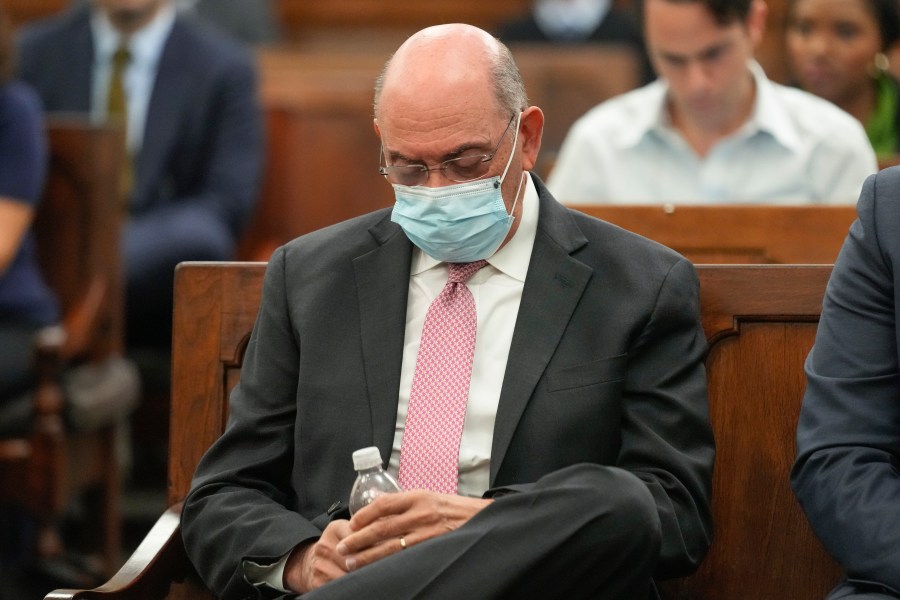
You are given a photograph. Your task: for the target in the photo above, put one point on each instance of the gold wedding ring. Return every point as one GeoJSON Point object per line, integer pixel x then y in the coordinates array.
{"type": "Point", "coordinates": [402, 543]}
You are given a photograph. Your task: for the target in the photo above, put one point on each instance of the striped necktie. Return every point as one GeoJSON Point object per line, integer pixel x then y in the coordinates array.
{"type": "Point", "coordinates": [117, 111]}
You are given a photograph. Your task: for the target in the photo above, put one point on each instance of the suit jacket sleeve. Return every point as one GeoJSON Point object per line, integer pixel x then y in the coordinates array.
{"type": "Point", "coordinates": [244, 480]}
{"type": "Point", "coordinates": [666, 437]}
{"type": "Point", "coordinates": [848, 437]}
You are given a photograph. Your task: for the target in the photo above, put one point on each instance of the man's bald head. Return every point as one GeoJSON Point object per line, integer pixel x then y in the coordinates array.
{"type": "Point", "coordinates": [448, 62]}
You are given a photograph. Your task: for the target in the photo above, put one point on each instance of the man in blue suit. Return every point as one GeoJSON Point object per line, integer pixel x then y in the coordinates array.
{"type": "Point", "coordinates": [848, 438]}
{"type": "Point", "coordinates": [194, 134]}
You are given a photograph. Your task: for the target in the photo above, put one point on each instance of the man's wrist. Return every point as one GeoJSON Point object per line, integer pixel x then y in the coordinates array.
{"type": "Point", "coordinates": [294, 578]}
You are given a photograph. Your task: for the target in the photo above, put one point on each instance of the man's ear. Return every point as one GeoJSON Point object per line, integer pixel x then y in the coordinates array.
{"type": "Point", "coordinates": [756, 21]}
{"type": "Point", "coordinates": [377, 128]}
{"type": "Point", "coordinates": [532, 128]}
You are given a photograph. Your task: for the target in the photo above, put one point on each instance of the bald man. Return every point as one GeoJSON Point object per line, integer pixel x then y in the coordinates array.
{"type": "Point", "coordinates": [583, 466]}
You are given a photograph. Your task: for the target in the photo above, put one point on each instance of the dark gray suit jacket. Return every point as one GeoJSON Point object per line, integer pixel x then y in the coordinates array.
{"type": "Point", "coordinates": [606, 368]}
{"type": "Point", "coordinates": [848, 438]}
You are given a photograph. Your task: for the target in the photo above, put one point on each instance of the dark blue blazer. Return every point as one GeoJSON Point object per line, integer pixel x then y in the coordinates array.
{"type": "Point", "coordinates": [202, 151]}
{"type": "Point", "coordinates": [848, 438]}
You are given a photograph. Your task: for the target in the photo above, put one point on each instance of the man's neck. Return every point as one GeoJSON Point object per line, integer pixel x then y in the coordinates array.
{"type": "Point", "coordinates": [129, 22]}
{"type": "Point", "coordinates": [703, 131]}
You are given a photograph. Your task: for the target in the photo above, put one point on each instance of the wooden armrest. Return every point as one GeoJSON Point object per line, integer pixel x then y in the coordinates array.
{"type": "Point", "coordinates": [149, 573]}
{"type": "Point", "coordinates": [83, 321]}
{"type": "Point", "coordinates": [59, 344]}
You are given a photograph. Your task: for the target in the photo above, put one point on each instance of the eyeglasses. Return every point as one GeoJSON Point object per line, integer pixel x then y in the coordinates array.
{"type": "Point", "coordinates": [461, 169]}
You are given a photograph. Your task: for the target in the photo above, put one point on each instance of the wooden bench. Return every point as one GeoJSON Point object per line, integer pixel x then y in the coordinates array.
{"type": "Point", "coordinates": [742, 234]}
{"type": "Point", "coordinates": [760, 322]}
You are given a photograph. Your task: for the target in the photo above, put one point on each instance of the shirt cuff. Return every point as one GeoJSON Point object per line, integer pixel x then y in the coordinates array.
{"type": "Point", "coordinates": [269, 575]}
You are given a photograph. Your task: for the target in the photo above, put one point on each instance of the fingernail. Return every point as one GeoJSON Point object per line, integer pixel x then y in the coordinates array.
{"type": "Point", "coordinates": [342, 548]}
{"type": "Point", "coordinates": [350, 564]}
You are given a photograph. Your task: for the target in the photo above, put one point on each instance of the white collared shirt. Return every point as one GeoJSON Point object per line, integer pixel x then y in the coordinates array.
{"type": "Point", "coordinates": [146, 46]}
{"type": "Point", "coordinates": [497, 290]}
{"type": "Point", "coordinates": [794, 149]}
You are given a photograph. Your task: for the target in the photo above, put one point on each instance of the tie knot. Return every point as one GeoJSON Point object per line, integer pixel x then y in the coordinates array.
{"type": "Point", "coordinates": [461, 272]}
{"type": "Point", "coordinates": [121, 57]}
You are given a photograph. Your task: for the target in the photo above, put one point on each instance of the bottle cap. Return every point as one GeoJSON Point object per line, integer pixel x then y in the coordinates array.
{"type": "Point", "coordinates": [366, 458]}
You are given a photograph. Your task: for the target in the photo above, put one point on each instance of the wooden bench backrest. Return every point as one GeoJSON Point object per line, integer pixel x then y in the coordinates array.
{"type": "Point", "coordinates": [77, 225]}
{"type": "Point", "coordinates": [760, 321]}
{"type": "Point", "coordinates": [739, 234]}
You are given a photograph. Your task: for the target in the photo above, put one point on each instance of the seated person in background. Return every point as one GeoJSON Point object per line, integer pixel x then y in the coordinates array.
{"type": "Point", "coordinates": [577, 461]}
{"type": "Point", "coordinates": [848, 436]}
{"type": "Point", "coordinates": [188, 97]}
{"type": "Point", "coordinates": [576, 22]}
{"type": "Point", "coordinates": [838, 49]}
{"type": "Point", "coordinates": [26, 302]}
{"type": "Point", "coordinates": [713, 128]}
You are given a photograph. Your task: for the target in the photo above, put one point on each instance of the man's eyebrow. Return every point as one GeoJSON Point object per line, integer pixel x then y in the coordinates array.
{"type": "Point", "coordinates": [708, 52]}
{"type": "Point", "coordinates": [672, 57]}
{"type": "Point", "coordinates": [715, 50]}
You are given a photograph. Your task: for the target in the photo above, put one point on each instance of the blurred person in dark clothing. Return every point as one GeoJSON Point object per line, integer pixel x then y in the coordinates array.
{"type": "Point", "coordinates": [578, 22]}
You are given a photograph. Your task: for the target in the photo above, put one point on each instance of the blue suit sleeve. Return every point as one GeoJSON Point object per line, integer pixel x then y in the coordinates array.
{"type": "Point", "coordinates": [848, 438]}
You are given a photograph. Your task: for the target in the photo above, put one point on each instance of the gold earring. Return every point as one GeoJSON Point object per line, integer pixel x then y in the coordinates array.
{"type": "Point", "coordinates": [880, 64]}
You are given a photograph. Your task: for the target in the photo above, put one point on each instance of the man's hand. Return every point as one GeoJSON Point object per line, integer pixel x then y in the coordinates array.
{"type": "Point", "coordinates": [394, 522]}
{"type": "Point", "coordinates": [314, 564]}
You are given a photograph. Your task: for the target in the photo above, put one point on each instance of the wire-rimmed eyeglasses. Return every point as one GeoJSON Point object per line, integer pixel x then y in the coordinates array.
{"type": "Point", "coordinates": [460, 169]}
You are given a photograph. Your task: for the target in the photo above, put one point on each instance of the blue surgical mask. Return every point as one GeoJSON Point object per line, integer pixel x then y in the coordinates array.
{"type": "Point", "coordinates": [456, 223]}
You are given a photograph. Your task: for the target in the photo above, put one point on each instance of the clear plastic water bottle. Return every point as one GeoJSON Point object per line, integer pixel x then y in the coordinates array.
{"type": "Point", "coordinates": [371, 479]}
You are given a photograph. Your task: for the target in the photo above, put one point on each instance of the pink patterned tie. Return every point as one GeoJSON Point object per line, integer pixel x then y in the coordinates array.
{"type": "Point", "coordinates": [429, 453]}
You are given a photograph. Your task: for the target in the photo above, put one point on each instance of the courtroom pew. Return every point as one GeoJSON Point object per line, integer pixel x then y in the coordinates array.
{"type": "Point", "coordinates": [760, 322]}
{"type": "Point", "coordinates": [748, 234]}
{"type": "Point", "coordinates": [322, 151]}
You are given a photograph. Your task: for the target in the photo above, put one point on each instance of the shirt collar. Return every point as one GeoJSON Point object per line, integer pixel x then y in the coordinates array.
{"type": "Point", "coordinates": [146, 45]}
{"type": "Point", "coordinates": [654, 118]}
{"type": "Point", "coordinates": [513, 258]}
{"type": "Point", "coordinates": [768, 114]}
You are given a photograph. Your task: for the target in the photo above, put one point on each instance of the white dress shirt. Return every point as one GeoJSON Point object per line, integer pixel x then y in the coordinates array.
{"type": "Point", "coordinates": [497, 290]}
{"type": "Point", "coordinates": [794, 149]}
{"type": "Point", "coordinates": [146, 46]}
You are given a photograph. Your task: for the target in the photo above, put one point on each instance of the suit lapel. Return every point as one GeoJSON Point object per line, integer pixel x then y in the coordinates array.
{"type": "Point", "coordinates": [553, 287]}
{"type": "Point", "coordinates": [163, 118]}
{"type": "Point", "coordinates": [382, 283]}
{"type": "Point", "coordinates": [77, 75]}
